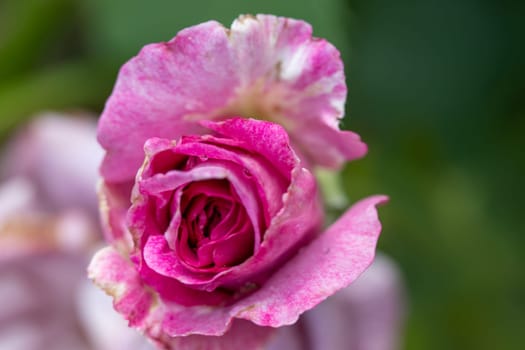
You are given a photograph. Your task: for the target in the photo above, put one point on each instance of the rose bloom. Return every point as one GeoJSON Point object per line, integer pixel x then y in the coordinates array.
{"type": "Point", "coordinates": [214, 218]}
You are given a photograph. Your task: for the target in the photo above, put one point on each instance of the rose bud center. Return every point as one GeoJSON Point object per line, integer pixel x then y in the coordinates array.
{"type": "Point", "coordinates": [215, 230]}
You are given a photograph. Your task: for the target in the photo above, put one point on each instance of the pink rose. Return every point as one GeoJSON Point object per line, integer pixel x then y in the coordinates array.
{"type": "Point", "coordinates": [216, 239]}
{"type": "Point", "coordinates": [217, 222]}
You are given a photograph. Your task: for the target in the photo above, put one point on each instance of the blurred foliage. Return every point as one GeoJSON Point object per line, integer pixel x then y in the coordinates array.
{"type": "Point", "coordinates": [436, 88]}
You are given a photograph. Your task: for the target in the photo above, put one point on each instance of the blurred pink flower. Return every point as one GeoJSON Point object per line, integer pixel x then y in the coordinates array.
{"type": "Point", "coordinates": [47, 234]}
{"type": "Point", "coordinates": [59, 155]}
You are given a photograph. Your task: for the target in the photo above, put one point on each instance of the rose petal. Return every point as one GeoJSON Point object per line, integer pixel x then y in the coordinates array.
{"type": "Point", "coordinates": [104, 327]}
{"type": "Point", "coordinates": [303, 282]}
{"type": "Point", "coordinates": [265, 67]}
{"type": "Point", "coordinates": [367, 315]}
{"type": "Point", "coordinates": [267, 139]}
{"type": "Point", "coordinates": [119, 278]}
{"type": "Point", "coordinates": [294, 226]}
{"type": "Point", "coordinates": [114, 204]}
{"type": "Point", "coordinates": [328, 264]}
{"type": "Point", "coordinates": [157, 89]}
{"type": "Point", "coordinates": [161, 265]}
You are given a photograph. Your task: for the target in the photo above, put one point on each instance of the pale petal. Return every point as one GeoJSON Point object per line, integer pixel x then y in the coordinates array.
{"type": "Point", "coordinates": [119, 278]}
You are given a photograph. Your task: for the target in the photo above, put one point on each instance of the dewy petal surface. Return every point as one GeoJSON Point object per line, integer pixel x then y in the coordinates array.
{"type": "Point", "coordinates": [264, 67]}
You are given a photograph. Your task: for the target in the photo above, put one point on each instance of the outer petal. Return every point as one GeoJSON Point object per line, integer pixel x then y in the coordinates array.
{"type": "Point", "coordinates": [105, 328]}
{"type": "Point", "coordinates": [114, 202]}
{"type": "Point", "coordinates": [117, 277]}
{"type": "Point", "coordinates": [327, 265]}
{"type": "Point", "coordinates": [367, 315]}
{"type": "Point", "coordinates": [163, 321]}
{"type": "Point", "coordinates": [264, 67]}
{"type": "Point", "coordinates": [294, 80]}
{"type": "Point", "coordinates": [158, 89]}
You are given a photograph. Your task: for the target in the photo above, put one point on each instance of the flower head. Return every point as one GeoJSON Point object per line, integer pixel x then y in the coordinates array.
{"type": "Point", "coordinates": [213, 217]}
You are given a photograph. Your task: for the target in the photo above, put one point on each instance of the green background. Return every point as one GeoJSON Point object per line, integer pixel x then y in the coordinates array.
{"type": "Point", "coordinates": [436, 88]}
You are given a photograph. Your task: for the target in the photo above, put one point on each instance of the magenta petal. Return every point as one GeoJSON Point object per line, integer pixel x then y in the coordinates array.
{"type": "Point", "coordinates": [265, 138]}
{"type": "Point", "coordinates": [233, 249]}
{"type": "Point", "coordinates": [162, 271]}
{"type": "Point", "coordinates": [327, 265]}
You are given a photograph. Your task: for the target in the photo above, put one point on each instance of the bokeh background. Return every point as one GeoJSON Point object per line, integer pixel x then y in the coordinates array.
{"type": "Point", "coordinates": [436, 88]}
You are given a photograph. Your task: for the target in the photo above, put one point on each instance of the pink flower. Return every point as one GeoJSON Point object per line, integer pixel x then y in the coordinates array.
{"type": "Point", "coordinates": [57, 153]}
{"type": "Point", "coordinates": [47, 234]}
{"type": "Point", "coordinates": [217, 222]}
{"type": "Point", "coordinates": [216, 239]}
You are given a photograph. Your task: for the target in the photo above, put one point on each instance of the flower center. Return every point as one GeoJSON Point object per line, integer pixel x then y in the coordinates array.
{"type": "Point", "coordinates": [215, 230]}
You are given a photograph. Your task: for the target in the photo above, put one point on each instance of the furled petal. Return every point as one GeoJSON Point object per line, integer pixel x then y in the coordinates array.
{"type": "Point", "coordinates": [327, 265]}
{"type": "Point", "coordinates": [264, 67]}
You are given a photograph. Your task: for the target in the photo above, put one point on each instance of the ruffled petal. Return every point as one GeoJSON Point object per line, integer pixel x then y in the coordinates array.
{"type": "Point", "coordinates": [264, 67]}
{"type": "Point", "coordinates": [159, 89]}
{"type": "Point", "coordinates": [327, 265]}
